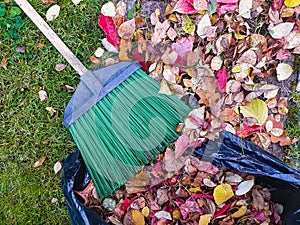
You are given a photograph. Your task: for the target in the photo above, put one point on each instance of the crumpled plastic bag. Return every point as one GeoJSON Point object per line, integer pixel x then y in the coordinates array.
{"type": "Point", "coordinates": [228, 151]}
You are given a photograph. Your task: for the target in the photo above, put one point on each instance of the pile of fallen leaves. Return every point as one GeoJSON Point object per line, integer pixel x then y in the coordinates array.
{"type": "Point", "coordinates": [199, 193]}
{"type": "Point", "coordinates": [216, 54]}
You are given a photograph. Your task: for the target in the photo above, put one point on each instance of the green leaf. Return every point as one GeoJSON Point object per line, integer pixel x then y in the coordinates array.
{"type": "Point", "coordinates": [257, 109]}
{"type": "Point", "coordinates": [15, 11]}
{"type": "Point", "coordinates": [212, 7]}
{"type": "Point", "coordinates": [187, 25]}
{"type": "Point", "coordinates": [2, 11]}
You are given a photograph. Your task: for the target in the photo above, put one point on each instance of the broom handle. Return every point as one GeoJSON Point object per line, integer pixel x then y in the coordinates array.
{"type": "Point", "coordinates": [52, 36]}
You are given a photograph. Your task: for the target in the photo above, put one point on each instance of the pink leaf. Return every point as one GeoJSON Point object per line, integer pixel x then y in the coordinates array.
{"type": "Point", "coordinates": [277, 4]}
{"type": "Point", "coordinates": [224, 8]}
{"type": "Point", "coordinates": [188, 207]}
{"type": "Point", "coordinates": [221, 80]}
{"type": "Point", "coordinates": [227, 1]}
{"type": "Point", "coordinates": [260, 216]}
{"type": "Point", "coordinates": [283, 54]}
{"type": "Point", "coordinates": [183, 46]}
{"type": "Point", "coordinates": [185, 7]}
{"type": "Point", "coordinates": [107, 25]}
{"type": "Point", "coordinates": [202, 195]}
{"type": "Point", "coordinates": [180, 145]}
{"type": "Point", "coordinates": [248, 130]}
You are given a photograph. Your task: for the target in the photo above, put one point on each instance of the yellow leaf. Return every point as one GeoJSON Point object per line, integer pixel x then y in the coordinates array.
{"type": "Point", "coordinates": [239, 36]}
{"type": "Point", "coordinates": [236, 69]}
{"type": "Point", "coordinates": [194, 189]}
{"type": "Point", "coordinates": [205, 219]}
{"type": "Point", "coordinates": [222, 193]}
{"type": "Point", "coordinates": [284, 71]}
{"type": "Point", "coordinates": [137, 218]}
{"type": "Point", "coordinates": [176, 214]}
{"type": "Point", "coordinates": [146, 211]}
{"type": "Point", "coordinates": [187, 25]}
{"type": "Point", "coordinates": [257, 109]}
{"type": "Point", "coordinates": [241, 212]}
{"type": "Point", "coordinates": [291, 3]}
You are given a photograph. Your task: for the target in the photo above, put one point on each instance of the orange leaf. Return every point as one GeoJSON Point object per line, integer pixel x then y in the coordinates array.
{"type": "Point", "coordinates": [39, 162]}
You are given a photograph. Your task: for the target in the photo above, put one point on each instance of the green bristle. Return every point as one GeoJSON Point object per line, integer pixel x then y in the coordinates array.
{"type": "Point", "coordinates": [126, 130]}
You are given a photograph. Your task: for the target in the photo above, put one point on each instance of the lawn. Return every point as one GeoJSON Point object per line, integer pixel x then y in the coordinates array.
{"type": "Point", "coordinates": [28, 131]}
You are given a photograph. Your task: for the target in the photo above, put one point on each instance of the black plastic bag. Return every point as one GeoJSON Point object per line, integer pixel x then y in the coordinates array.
{"type": "Point", "coordinates": [228, 151]}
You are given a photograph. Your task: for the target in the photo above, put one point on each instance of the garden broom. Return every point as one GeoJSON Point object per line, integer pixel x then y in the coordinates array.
{"type": "Point", "coordinates": [117, 119]}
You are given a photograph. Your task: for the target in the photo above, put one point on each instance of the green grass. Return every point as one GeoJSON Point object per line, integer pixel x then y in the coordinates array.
{"type": "Point", "coordinates": [27, 130]}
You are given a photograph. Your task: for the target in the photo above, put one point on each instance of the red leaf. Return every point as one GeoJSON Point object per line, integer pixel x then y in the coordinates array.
{"type": "Point", "coordinates": [185, 7]}
{"type": "Point", "coordinates": [202, 195]}
{"type": "Point", "coordinates": [127, 203]}
{"type": "Point", "coordinates": [221, 80]}
{"type": "Point", "coordinates": [107, 25]}
{"type": "Point", "coordinates": [138, 57]}
{"type": "Point", "coordinates": [248, 130]}
{"type": "Point", "coordinates": [222, 210]}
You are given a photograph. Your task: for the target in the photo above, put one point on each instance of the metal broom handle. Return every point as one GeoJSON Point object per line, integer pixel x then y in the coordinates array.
{"type": "Point", "coordinates": [52, 36]}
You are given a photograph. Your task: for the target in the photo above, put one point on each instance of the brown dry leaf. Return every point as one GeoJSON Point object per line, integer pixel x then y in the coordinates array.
{"type": "Point", "coordinates": [168, 57]}
{"type": "Point", "coordinates": [249, 57]}
{"type": "Point", "coordinates": [160, 32]}
{"type": "Point", "coordinates": [60, 67]}
{"type": "Point", "coordinates": [69, 88]}
{"type": "Point", "coordinates": [86, 192]}
{"type": "Point", "coordinates": [258, 201]}
{"type": "Point", "coordinates": [95, 60]}
{"type": "Point", "coordinates": [222, 193]}
{"type": "Point", "coordinates": [39, 162]}
{"type": "Point", "coordinates": [4, 63]}
{"type": "Point", "coordinates": [125, 48]}
{"type": "Point", "coordinates": [142, 44]}
{"type": "Point", "coordinates": [50, 109]}
{"type": "Point", "coordinates": [40, 45]}
{"type": "Point", "coordinates": [262, 139]}
{"type": "Point", "coordinates": [282, 105]}
{"type": "Point", "coordinates": [127, 29]}
{"type": "Point", "coordinates": [141, 179]}
{"type": "Point", "coordinates": [192, 58]}
{"type": "Point", "coordinates": [258, 42]}
{"type": "Point", "coordinates": [228, 114]}
{"type": "Point", "coordinates": [47, 1]}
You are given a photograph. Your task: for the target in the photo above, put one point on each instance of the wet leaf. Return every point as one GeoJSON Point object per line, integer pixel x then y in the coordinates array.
{"type": "Point", "coordinates": [39, 162]}
{"type": "Point", "coordinates": [57, 167]}
{"type": "Point", "coordinates": [284, 71]}
{"type": "Point", "coordinates": [187, 25]}
{"type": "Point", "coordinates": [257, 109]}
{"type": "Point", "coordinates": [108, 9]}
{"type": "Point", "coordinates": [127, 29]}
{"type": "Point", "coordinates": [281, 30]}
{"type": "Point", "coordinates": [244, 187]}
{"type": "Point", "coordinates": [43, 95]}
{"type": "Point", "coordinates": [52, 13]}
{"type": "Point", "coordinates": [222, 193]}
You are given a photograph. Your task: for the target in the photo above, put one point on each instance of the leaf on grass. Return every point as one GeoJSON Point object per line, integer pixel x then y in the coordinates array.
{"type": "Point", "coordinates": [57, 167]}
{"type": "Point", "coordinates": [185, 7]}
{"type": "Point", "coordinates": [43, 95]}
{"type": "Point", "coordinates": [284, 71]}
{"type": "Point", "coordinates": [99, 52]}
{"type": "Point", "coordinates": [108, 9]}
{"type": "Point", "coordinates": [108, 46]}
{"type": "Point", "coordinates": [187, 25]}
{"type": "Point", "coordinates": [50, 109]}
{"type": "Point", "coordinates": [69, 88]}
{"type": "Point", "coordinates": [222, 193]}
{"type": "Point", "coordinates": [54, 200]}
{"type": "Point", "coordinates": [281, 30]}
{"type": "Point", "coordinates": [21, 49]}
{"type": "Point", "coordinates": [106, 23]}
{"type": "Point", "coordinates": [127, 29]}
{"type": "Point", "coordinates": [39, 162]}
{"type": "Point", "coordinates": [244, 187]}
{"type": "Point", "coordinates": [60, 67]}
{"type": "Point", "coordinates": [95, 60]}
{"type": "Point", "coordinates": [257, 109]}
{"type": "Point", "coordinates": [53, 12]}
{"type": "Point", "coordinates": [76, 2]}
{"type": "Point", "coordinates": [4, 63]}
{"type": "Point", "coordinates": [205, 219]}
